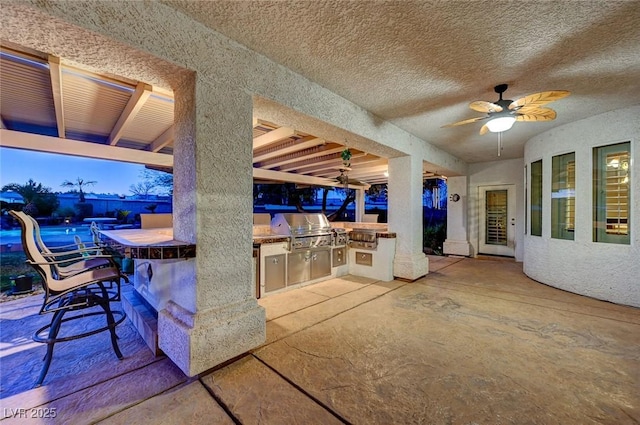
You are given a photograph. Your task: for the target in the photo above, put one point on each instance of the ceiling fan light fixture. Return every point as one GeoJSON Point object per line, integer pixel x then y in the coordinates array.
{"type": "Point", "coordinates": [499, 124]}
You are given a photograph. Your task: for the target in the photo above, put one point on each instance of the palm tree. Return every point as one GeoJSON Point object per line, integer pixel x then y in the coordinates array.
{"type": "Point", "coordinates": [79, 183]}
{"type": "Point", "coordinates": [30, 192]}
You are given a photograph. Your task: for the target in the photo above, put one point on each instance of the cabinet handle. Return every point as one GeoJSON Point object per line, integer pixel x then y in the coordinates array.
{"type": "Point", "coordinates": [275, 261]}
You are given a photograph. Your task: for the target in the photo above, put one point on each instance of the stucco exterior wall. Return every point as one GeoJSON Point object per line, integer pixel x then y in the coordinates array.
{"type": "Point", "coordinates": [508, 172]}
{"type": "Point", "coordinates": [601, 270]}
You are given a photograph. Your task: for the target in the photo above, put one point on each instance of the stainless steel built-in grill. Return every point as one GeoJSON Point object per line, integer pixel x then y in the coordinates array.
{"type": "Point", "coordinates": [310, 250]}
{"type": "Point", "coordinates": [307, 231]}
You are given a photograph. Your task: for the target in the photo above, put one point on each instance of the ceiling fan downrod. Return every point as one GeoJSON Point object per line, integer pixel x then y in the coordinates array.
{"type": "Point", "coordinates": [501, 88]}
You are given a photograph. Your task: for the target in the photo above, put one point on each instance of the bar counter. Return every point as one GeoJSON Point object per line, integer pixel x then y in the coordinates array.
{"type": "Point", "coordinates": [154, 244]}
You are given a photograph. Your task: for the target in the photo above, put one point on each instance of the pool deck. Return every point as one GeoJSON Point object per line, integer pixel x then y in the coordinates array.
{"type": "Point", "coordinates": [475, 341]}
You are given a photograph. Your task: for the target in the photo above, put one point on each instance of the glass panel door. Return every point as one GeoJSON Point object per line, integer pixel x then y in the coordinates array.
{"type": "Point", "coordinates": [496, 217]}
{"type": "Point", "coordinates": [497, 221]}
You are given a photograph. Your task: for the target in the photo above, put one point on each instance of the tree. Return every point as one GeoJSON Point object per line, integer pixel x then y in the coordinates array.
{"type": "Point", "coordinates": [151, 208]}
{"type": "Point", "coordinates": [377, 192]}
{"type": "Point", "coordinates": [38, 199]}
{"type": "Point", "coordinates": [153, 181]}
{"type": "Point", "coordinates": [296, 195]}
{"type": "Point", "coordinates": [164, 181]}
{"type": "Point", "coordinates": [142, 189]}
{"type": "Point", "coordinates": [79, 183]}
{"type": "Point", "coordinates": [350, 196]}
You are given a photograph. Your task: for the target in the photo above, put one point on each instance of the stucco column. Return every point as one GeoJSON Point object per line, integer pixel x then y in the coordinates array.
{"type": "Point", "coordinates": [215, 317]}
{"type": "Point", "coordinates": [406, 216]}
{"type": "Point", "coordinates": [457, 242]}
{"type": "Point", "coordinates": [359, 204]}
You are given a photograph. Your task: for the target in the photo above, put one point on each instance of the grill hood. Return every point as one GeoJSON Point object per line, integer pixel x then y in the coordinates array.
{"type": "Point", "coordinates": [300, 224]}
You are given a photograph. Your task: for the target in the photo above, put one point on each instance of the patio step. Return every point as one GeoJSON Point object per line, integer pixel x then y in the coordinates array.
{"type": "Point", "coordinates": [142, 317]}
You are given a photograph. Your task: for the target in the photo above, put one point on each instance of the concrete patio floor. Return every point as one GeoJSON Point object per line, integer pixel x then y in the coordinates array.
{"type": "Point", "coordinates": [473, 342]}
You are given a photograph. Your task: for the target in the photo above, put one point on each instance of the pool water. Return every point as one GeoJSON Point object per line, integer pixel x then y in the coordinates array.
{"type": "Point", "coordinates": [53, 235]}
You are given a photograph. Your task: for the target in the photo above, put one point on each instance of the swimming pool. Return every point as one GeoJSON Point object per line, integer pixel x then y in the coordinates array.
{"type": "Point", "coordinates": [53, 235]}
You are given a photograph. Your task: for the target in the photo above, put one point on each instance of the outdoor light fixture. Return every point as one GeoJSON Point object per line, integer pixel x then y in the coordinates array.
{"type": "Point", "coordinates": [500, 124]}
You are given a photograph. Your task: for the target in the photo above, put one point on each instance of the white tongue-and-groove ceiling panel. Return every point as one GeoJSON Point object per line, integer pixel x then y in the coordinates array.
{"type": "Point", "coordinates": [32, 106]}
{"type": "Point", "coordinates": [92, 106]}
{"type": "Point", "coordinates": [95, 106]}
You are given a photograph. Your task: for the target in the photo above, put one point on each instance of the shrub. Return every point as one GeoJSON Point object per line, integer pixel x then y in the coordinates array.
{"type": "Point", "coordinates": [84, 210]}
{"type": "Point", "coordinates": [434, 237]}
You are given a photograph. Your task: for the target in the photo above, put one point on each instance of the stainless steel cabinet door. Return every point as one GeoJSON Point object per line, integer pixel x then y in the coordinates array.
{"type": "Point", "coordinates": [320, 263]}
{"type": "Point", "coordinates": [298, 267]}
{"type": "Point", "coordinates": [274, 272]}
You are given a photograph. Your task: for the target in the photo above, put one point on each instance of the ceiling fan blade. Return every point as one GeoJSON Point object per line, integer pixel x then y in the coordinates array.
{"type": "Point", "coordinates": [538, 99]}
{"type": "Point", "coordinates": [537, 114]}
{"type": "Point", "coordinates": [468, 121]}
{"type": "Point", "coordinates": [483, 106]}
{"type": "Point", "coordinates": [484, 130]}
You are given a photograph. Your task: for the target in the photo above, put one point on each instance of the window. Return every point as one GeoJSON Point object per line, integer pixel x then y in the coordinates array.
{"type": "Point", "coordinates": [611, 186]}
{"type": "Point", "coordinates": [563, 196]}
{"type": "Point", "coordinates": [536, 198]}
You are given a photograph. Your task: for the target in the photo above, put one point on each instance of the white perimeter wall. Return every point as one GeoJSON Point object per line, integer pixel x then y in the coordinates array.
{"type": "Point", "coordinates": [494, 173]}
{"type": "Point", "coordinates": [601, 270]}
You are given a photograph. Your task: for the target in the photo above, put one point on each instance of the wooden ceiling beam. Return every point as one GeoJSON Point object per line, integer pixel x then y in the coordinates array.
{"type": "Point", "coordinates": [377, 165]}
{"type": "Point", "coordinates": [36, 142]}
{"type": "Point", "coordinates": [273, 137]}
{"type": "Point", "coordinates": [334, 163]}
{"type": "Point", "coordinates": [311, 162]}
{"type": "Point", "coordinates": [358, 174]}
{"type": "Point", "coordinates": [55, 73]}
{"type": "Point", "coordinates": [162, 140]}
{"type": "Point", "coordinates": [135, 103]}
{"type": "Point", "coordinates": [289, 148]}
{"type": "Point", "coordinates": [302, 155]}
{"type": "Point", "coordinates": [271, 175]}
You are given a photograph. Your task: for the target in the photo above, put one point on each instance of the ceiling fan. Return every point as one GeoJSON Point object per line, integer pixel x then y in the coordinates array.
{"type": "Point", "coordinates": [503, 113]}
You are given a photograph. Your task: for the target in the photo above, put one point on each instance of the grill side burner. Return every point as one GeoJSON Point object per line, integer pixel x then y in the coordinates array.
{"type": "Point", "coordinates": [340, 237]}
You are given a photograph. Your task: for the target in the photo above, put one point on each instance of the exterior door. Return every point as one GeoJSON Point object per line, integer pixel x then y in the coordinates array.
{"type": "Point", "coordinates": [497, 220]}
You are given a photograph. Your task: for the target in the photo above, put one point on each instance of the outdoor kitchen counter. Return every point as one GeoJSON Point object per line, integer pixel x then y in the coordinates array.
{"type": "Point", "coordinates": [155, 243]}
{"type": "Point", "coordinates": [264, 239]}
{"type": "Point", "coordinates": [380, 228]}
{"type": "Point", "coordinates": [161, 266]}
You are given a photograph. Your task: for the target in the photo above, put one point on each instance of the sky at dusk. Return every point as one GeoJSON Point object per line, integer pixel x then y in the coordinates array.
{"type": "Point", "coordinates": [18, 166]}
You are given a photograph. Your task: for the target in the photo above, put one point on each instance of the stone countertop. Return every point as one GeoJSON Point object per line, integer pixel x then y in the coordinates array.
{"type": "Point", "coordinates": [387, 235]}
{"type": "Point", "coordinates": [350, 225]}
{"type": "Point", "coordinates": [261, 239]}
{"type": "Point", "coordinates": [143, 237]}
{"type": "Point", "coordinates": [380, 228]}
{"type": "Point", "coordinates": [262, 233]}
{"type": "Point", "coordinates": [155, 243]}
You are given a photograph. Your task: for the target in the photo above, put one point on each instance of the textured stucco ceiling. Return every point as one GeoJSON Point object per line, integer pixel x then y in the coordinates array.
{"type": "Point", "coordinates": [419, 64]}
